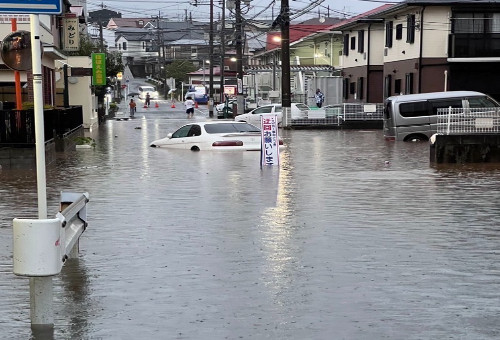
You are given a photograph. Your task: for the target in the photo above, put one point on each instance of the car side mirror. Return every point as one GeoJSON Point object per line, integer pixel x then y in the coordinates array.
{"type": "Point", "coordinates": [169, 136]}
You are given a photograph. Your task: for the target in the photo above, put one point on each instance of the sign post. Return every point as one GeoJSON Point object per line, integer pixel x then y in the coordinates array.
{"type": "Point", "coordinates": [41, 290]}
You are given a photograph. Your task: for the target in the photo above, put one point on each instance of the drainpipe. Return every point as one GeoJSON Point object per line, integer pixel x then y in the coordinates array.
{"type": "Point", "coordinates": [368, 62]}
{"type": "Point", "coordinates": [420, 52]}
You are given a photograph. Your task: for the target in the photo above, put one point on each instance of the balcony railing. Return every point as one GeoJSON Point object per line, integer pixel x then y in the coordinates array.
{"type": "Point", "coordinates": [470, 45]}
{"type": "Point", "coordinates": [17, 127]}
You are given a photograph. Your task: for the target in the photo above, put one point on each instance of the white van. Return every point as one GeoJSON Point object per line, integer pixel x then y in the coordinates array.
{"type": "Point", "coordinates": [413, 117]}
{"type": "Point", "coordinates": [145, 89]}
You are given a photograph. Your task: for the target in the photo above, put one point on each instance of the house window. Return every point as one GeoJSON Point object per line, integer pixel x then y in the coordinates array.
{"type": "Point", "coordinates": [353, 43]}
{"type": "Point", "coordinates": [360, 87]}
{"type": "Point", "coordinates": [476, 23]}
{"type": "Point", "coordinates": [141, 23]}
{"type": "Point", "coordinates": [387, 85]}
{"type": "Point", "coordinates": [410, 29]}
{"type": "Point", "coordinates": [361, 41]}
{"type": "Point", "coordinates": [346, 44]}
{"type": "Point", "coordinates": [143, 45]}
{"type": "Point", "coordinates": [352, 88]}
{"type": "Point", "coordinates": [397, 86]}
{"type": "Point", "coordinates": [409, 83]}
{"type": "Point", "coordinates": [119, 47]}
{"type": "Point", "coordinates": [399, 31]}
{"type": "Point", "coordinates": [124, 45]}
{"type": "Point", "coordinates": [345, 88]}
{"type": "Point", "coordinates": [388, 34]}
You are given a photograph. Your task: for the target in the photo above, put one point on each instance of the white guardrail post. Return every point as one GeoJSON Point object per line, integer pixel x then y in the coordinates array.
{"type": "Point", "coordinates": [41, 246]}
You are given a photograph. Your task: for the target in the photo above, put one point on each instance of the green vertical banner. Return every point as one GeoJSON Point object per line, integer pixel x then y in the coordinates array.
{"type": "Point", "coordinates": [98, 68]}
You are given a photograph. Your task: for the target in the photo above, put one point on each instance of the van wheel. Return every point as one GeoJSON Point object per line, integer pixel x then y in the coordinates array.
{"type": "Point", "coordinates": [195, 148]}
{"type": "Point", "coordinates": [416, 138]}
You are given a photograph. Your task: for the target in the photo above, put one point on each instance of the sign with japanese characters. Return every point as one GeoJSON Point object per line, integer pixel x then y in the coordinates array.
{"type": "Point", "coordinates": [98, 69]}
{"type": "Point", "coordinates": [269, 151]}
{"type": "Point", "coordinates": [71, 34]}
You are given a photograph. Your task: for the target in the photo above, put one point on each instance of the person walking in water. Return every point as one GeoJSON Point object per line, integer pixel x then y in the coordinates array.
{"type": "Point", "coordinates": [148, 99]}
{"type": "Point", "coordinates": [132, 107]}
{"type": "Point", "coordinates": [189, 103]}
{"type": "Point", "coordinates": [320, 98]}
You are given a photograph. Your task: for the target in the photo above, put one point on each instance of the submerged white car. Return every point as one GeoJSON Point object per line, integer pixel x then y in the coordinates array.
{"type": "Point", "coordinates": [298, 111]}
{"type": "Point", "coordinates": [223, 136]}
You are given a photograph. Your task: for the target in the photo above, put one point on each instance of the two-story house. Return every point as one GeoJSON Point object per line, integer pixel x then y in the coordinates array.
{"type": "Point", "coordinates": [422, 46]}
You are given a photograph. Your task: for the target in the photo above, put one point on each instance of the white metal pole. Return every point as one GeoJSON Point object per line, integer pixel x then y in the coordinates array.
{"type": "Point", "coordinates": [38, 106]}
{"type": "Point", "coordinates": [41, 291]}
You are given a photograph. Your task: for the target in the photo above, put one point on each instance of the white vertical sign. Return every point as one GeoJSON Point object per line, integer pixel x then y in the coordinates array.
{"type": "Point", "coordinates": [269, 151]}
{"type": "Point", "coordinates": [71, 34]}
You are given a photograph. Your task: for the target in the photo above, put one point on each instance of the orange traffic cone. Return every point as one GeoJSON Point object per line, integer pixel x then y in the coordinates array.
{"type": "Point", "coordinates": [173, 105]}
{"type": "Point", "coordinates": [156, 105]}
{"type": "Point", "coordinates": [196, 105]}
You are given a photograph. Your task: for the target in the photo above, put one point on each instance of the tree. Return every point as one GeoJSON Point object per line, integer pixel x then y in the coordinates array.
{"type": "Point", "coordinates": [88, 46]}
{"type": "Point", "coordinates": [178, 70]}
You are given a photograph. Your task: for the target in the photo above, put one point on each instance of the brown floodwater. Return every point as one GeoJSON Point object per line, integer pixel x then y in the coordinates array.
{"type": "Point", "coordinates": [351, 237]}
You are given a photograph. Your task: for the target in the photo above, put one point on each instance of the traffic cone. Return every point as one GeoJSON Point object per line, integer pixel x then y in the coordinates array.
{"type": "Point", "coordinates": [173, 105]}
{"type": "Point", "coordinates": [196, 104]}
{"type": "Point", "coordinates": [156, 105]}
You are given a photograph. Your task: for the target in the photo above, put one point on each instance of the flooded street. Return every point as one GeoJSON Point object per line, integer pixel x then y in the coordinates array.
{"type": "Point", "coordinates": [352, 237]}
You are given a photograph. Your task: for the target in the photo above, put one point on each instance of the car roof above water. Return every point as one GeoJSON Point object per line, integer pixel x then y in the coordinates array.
{"type": "Point", "coordinates": [434, 95]}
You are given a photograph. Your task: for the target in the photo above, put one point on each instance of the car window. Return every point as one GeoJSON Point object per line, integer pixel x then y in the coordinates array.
{"type": "Point", "coordinates": [278, 109]}
{"type": "Point", "coordinates": [302, 106]}
{"type": "Point", "coordinates": [445, 103]}
{"type": "Point", "coordinates": [182, 132]}
{"type": "Point", "coordinates": [264, 109]}
{"type": "Point", "coordinates": [194, 131]}
{"type": "Point", "coordinates": [230, 128]}
{"type": "Point", "coordinates": [477, 102]}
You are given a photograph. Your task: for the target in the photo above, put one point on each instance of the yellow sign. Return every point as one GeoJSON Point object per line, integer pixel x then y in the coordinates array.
{"type": "Point", "coordinates": [119, 76]}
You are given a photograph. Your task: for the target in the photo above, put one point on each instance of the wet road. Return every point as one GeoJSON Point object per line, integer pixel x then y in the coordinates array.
{"type": "Point", "coordinates": [335, 244]}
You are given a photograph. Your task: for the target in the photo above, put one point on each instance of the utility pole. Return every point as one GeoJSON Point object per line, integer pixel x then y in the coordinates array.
{"type": "Point", "coordinates": [285, 64]}
{"type": "Point", "coordinates": [211, 62]}
{"type": "Point", "coordinates": [239, 57]}
{"type": "Point", "coordinates": [222, 50]}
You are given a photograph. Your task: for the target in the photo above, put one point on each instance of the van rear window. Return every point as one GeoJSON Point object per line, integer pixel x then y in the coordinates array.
{"type": "Point", "coordinates": [414, 109]}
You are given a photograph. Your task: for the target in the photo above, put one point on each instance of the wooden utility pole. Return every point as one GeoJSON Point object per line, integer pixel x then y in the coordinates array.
{"type": "Point", "coordinates": [239, 57]}
{"type": "Point", "coordinates": [285, 63]}
{"type": "Point", "coordinates": [222, 50]}
{"type": "Point", "coordinates": [211, 62]}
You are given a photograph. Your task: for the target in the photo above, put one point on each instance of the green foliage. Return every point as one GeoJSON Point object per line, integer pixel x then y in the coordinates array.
{"type": "Point", "coordinates": [88, 46]}
{"type": "Point", "coordinates": [84, 141]}
{"type": "Point", "coordinates": [31, 106]}
{"type": "Point", "coordinates": [179, 69]}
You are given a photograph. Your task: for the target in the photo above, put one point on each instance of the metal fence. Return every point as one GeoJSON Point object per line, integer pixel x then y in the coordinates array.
{"type": "Point", "coordinates": [455, 121]}
{"type": "Point", "coordinates": [17, 127]}
{"type": "Point", "coordinates": [340, 114]}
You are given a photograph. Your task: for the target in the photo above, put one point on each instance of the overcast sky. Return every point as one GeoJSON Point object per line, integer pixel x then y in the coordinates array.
{"type": "Point", "coordinates": [262, 9]}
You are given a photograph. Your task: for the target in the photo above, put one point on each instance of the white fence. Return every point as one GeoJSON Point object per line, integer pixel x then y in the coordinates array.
{"type": "Point", "coordinates": [337, 114]}
{"type": "Point", "coordinates": [455, 121]}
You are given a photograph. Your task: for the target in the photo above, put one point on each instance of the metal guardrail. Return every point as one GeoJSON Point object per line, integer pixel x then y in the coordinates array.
{"type": "Point", "coordinates": [455, 121]}
{"type": "Point", "coordinates": [42, 246]}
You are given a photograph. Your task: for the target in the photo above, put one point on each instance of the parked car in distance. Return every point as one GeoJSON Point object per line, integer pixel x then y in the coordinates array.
{"type": "Point", "coordinates": [145, 89]}
{"type": "Point", "coordinates": [219, 136]}
{"type": "Point", "coordinates": [220, 107]}
{"type": "Point", "coordinates": [298, 111]}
